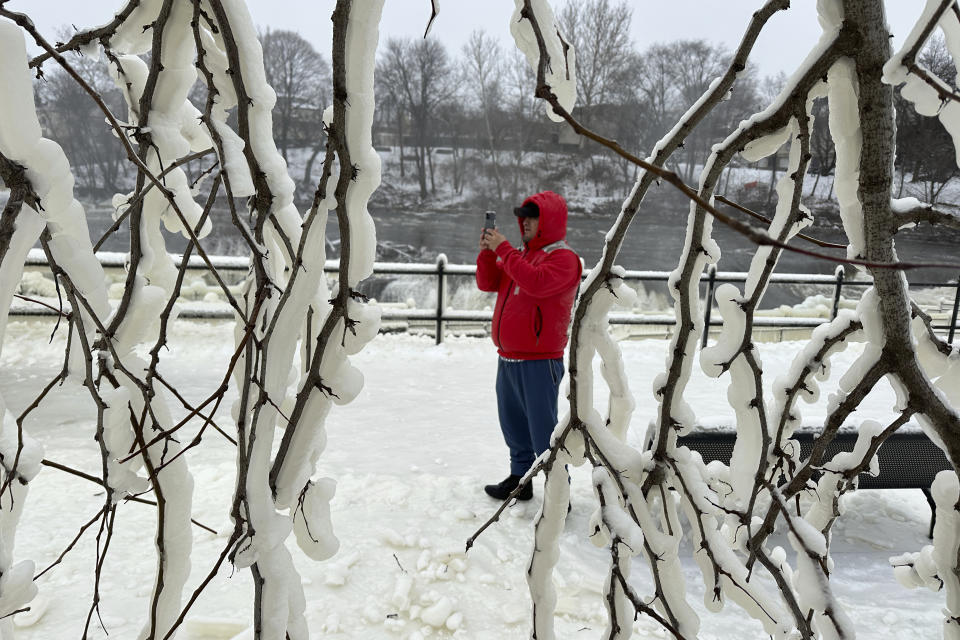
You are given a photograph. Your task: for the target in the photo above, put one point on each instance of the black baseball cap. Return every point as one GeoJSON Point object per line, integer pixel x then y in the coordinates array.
{"type": "Point", "coordinates": [528, 210]}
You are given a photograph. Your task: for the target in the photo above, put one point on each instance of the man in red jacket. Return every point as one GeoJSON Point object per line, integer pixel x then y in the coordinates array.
{"type": "Point", "coordinates": [535, 289]}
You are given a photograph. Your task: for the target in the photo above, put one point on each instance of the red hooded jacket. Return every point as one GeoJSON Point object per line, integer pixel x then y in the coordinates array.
{"type": "Point", "coordinates": [535, 287]}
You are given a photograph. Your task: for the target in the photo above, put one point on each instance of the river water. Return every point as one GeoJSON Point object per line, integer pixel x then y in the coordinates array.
{"type": "Point", "coordinates": [653, 242]}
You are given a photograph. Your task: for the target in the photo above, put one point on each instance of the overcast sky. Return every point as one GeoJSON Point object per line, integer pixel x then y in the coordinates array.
{"type": "Point", "coordinates": [781, 47]}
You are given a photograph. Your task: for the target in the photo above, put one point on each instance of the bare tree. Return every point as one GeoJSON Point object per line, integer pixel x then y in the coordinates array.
{"type": "Point", "coordinates": [392, 116]}
{"type": "Point", "coordinates": [769, 88]}
{"type": "Point", "coordinates": [69, 115]}
{"type": "Point", "coordinates": [420, 72]}
{"type": "Point", "coordinates": [300, 76]}
{"type": "Point", "coordinates": [650, 75]}
{"type": "Point", "coordinates": [695, 64]}
{"type": "Point", "coordinates": [482, 72]}
{"type": "Point", "coordinates": [823, 158]}
{"type": "Point", "coordinates": [522, 112]}
{"type": "Point", "coordinates": [669, 77]}
{"type": "Point", "coordinates": [599, 32]}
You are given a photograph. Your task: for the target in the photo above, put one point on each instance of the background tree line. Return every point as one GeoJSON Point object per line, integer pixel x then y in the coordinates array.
{"type": "Point", "coordinates": [465, 123]}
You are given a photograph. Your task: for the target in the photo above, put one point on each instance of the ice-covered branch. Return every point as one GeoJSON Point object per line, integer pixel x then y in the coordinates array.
{"type": "Point", "coordinates": [930, 95]}
{"type": "Point", "coordinates": [928, 337]}
{"type": "Point", "coordinates": [288, 283]}
{"type": "Point", "coordinates": [937, 566]}
{"type": "Point", "coordinates": [121, 131]}
{"type": "Point", "coordinates": [809, 366]}
{"type": "Point", "coordinates": [909, 212]}
{"type": "Point", "coordinates": [859, 381]}
{"type": "Point", "coordinates": [843, 43]}
{"type": "Point", "coordinates": [349, 322]}
{"type": "Point", "coordinates": [434, 12]}
{"type": "Point", "coordinates": [135, 430]}
{"type": "Point", "coordinates": [734, 350]}
{"type": "Point", "coordinates": [905, 61]}
{"type": "Point", "coordinates": [38, 174]}
{"type": "Point", "coordinates": [545, 91]}
{"type": "Point", "coordinates": [122, 218]}
{"type": "Point", "coordinates": [764, 446]}
{"type": "Point", "coordinates": [83, 39]}
{"type": "Point", "coordinates": [874, 109]}
{"type": "Point", "coordinates": [810, 578]}
{"type": "Point", "coordinates": [766, 131]}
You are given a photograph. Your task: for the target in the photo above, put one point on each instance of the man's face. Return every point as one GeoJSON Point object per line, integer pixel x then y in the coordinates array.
{"type": "Point", "coordinates": [530, 228]}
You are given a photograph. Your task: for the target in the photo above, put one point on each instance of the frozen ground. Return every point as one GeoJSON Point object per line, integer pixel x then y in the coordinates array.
{"type": "Point", "coordinates": [410, 456]}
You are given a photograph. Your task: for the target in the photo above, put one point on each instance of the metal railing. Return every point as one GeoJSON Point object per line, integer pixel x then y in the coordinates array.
{"type": "Point", "coordinates": [441, 315]}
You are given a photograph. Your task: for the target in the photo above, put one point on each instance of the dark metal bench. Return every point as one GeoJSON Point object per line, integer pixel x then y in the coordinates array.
{"type": "Point", "coordinates": [908, 459]}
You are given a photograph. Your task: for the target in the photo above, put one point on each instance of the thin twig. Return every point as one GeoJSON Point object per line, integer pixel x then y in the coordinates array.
{"type": "Point", "coordinates": [99, 481]}
{"type": "Point", "coordinates": [763, 218]}
{"type": "Point", "coordinates": [42, 304]}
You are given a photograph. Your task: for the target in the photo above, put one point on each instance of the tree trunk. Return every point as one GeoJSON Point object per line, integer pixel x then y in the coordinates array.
{"type": "Point", "coordinates": [494, 156]}
{"type": "Point", "coordinates": [422, 171]}
{"type": "Point", "coordinates": [875, 104]}
{"type": "Point", "coordinates": [284, 134]}
{"type": "Point", "coordinates": [400, 138]}
{"type": "Point", "coordinates": [813, 190]}
{"type": "Point", "coordinates": [307, 179]}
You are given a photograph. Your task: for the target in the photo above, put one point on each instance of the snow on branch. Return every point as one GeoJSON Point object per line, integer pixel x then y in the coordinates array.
{"type": "Point", "coordinates": [909, 212]}
{"type": "Point", "coordinates": [295, 332]}
{"type": "Point", "coordinates": [292, 342]}
{"type": "Point", "coordinates": [732, 511]}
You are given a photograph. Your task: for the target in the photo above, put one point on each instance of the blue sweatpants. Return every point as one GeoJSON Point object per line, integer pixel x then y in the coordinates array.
{"type": "Point", "coordinates": [527, 404]}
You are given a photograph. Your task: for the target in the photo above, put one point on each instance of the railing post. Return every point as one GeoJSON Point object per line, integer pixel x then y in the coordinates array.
{"type": "Point", "coordinates": [441, 263]}
{"type": "Point", "coordinates": [836, 293]}
{"type": "Point", "coordinates": [953, 317]}
{"type": "Point", "coordinates": [711, 282]}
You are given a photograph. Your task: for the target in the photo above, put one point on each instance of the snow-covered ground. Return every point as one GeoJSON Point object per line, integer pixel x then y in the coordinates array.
{"type": "Point", "coordinates": [410, 455]}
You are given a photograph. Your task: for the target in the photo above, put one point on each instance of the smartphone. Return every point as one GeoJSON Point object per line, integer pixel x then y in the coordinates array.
{"type": "Point", "coordinates": [490, 220]}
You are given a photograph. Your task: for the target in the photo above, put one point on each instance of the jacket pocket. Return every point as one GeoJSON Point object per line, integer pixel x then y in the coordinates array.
{"type": "Point", "coordinates": [537, 323]}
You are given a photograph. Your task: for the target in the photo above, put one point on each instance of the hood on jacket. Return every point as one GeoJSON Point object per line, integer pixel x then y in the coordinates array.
{"type": "Point", "coordinates": [552, 225]}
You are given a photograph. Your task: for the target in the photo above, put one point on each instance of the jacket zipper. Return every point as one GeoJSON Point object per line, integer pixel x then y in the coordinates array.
{"type": "Point", "coordinates": [538, 323]}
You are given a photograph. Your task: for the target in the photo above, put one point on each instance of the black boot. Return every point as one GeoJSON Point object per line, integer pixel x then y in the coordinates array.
{"type": "Point", "coordinates": [503, 489]}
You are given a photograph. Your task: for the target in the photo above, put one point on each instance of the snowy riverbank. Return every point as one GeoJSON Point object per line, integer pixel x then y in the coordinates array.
{"type": "Point", "coordinates": [409, 455]}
